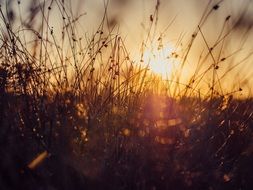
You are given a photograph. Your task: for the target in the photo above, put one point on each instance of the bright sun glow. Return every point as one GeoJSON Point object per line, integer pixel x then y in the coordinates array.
{"type": "Point", "coordinates": [162, 61]}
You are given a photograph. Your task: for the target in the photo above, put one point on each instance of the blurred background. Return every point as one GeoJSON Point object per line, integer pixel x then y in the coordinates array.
{"type": "Point", "coordinates": [164, 25]}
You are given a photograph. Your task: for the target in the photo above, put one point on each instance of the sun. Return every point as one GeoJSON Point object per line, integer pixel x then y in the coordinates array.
{"type": "Point", "coordinates": [162, 61]}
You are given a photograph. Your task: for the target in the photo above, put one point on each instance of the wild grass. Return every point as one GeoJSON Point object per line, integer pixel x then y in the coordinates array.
{"type": "Point", "coordinates": [78, 112]}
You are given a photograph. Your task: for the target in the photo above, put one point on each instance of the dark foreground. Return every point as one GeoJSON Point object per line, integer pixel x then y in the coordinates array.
{"type": "Point", "coordinates": [165, 144]}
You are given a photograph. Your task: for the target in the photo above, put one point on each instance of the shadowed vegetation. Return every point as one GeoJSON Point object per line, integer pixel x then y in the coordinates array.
{"type": "Point", "coordinates": [78, 112]}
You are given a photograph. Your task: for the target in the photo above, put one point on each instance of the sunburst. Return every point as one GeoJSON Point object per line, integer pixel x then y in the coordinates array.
{"type": "Point", "coordinates": [162, 61]}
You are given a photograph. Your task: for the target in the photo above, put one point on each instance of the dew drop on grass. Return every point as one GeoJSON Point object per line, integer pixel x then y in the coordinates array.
{"type": "Point", "coordinates": [126, 132]}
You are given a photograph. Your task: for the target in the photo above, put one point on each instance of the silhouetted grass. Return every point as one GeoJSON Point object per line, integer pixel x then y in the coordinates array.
{"type": "Point", "coordinates": [82, 114]}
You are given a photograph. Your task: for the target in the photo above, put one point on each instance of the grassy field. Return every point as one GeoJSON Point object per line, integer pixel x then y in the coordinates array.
{"type": "Point", "coordinates": [78, 112]}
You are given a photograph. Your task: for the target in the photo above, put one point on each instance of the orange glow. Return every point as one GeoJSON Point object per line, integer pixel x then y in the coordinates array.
{"type": "Point", "coordinates": [162, 61]}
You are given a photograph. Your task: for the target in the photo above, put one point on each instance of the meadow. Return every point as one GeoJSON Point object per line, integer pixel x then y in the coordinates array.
{"type": "Point", "coordinates": [78, 111]}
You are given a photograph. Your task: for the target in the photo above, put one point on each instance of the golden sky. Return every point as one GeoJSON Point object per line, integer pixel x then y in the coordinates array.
{"type": "Point", "coordinates": [133, 17]}
{"type": "Point", "coordinates": [177, 21]}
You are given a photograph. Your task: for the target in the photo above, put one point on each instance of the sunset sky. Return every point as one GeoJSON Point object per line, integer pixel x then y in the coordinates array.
{"type": "Point", "coordinates": [182, 17]}
{"type": "Point", "coordinates": [177, 21]}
